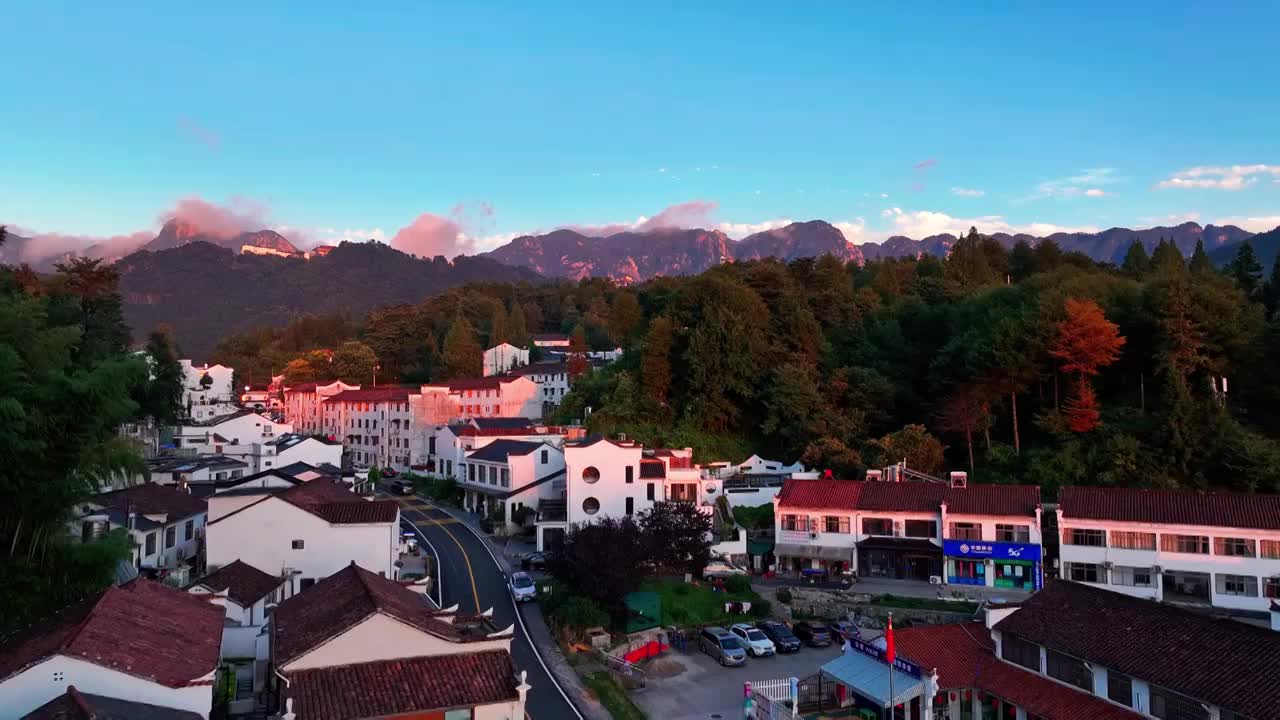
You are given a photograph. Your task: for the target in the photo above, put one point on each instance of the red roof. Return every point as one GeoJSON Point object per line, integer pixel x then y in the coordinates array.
{"type": "Point", "coordinates": [1021, 500]}
{"type": "Point", "coordinates": [152, 499]}
{"type": "Point", "coordinates": [308, 387]}
{"type": "Point", "coordinates": [964, 656]}
{"type": "Point", "coordinates": [345, 598]}
{"type": "Point", "coordinates": [141, 628]}
{"type": "Point", "coordinates": [411, 685]}
{"type": "Point", "coordinates": [390, 393]}
{"type": "Point", "coordinates": [1175, 507]}
{"type": "Point", "coordinates": [492, 382]}
{"type": "Point", "coordinates": [75, 705]}
{"type": "Point", "coordinates": [244, 583]}
{"type": "Point", "coordinates": [330, 501]}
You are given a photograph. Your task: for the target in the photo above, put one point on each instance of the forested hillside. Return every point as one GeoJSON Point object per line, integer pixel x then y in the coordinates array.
{"type": "Point", "coordinates": [1028, 365]}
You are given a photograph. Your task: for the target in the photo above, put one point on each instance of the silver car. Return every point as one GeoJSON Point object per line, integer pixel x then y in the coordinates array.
{"type": "Point", "coordinates": [523, 588]}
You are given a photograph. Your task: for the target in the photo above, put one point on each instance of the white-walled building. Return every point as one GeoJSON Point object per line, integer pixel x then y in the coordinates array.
{"type": "Point", "coordinates": [985, 535]}
{"type": "Point", "coordinates": [303, 405]}
{"type": "Point", "coordinates": [165, 523]}
{"type": "Point", "coordinates": [364, 646]}
{"type": "Point", "coordinates": [510, 474]}
{"type": "Point", "coordinates": [185, 470]}
{"type": "Point", "coordinates": [1216, 549]}
{"type": "Point", "coordinates": [551, 340]}
{"type": "Point", "coordinates": [284, 450]}
{"type": "Point", "coordinates": [375, 425]}
{"type": "Point", "coordinates": [140, 642]}
{"type": "Point", "coordinates": [504, 357]}
{"type": "Point", "coordinates": [207, 391]}
{"type": "Point", "coordinates": [498, 396]}
{"type": "Point", "coordinates": [552, 379]}
{"type": "Point", "coordinates": [306, 532]}
{"type": "Point", "coordinates": [248, 595]}
{"type": "Point", "coordinates": [243, 427]}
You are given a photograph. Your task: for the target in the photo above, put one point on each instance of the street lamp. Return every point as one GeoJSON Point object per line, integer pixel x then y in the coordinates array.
{"type": "Point", "coordinates": [376, 368]}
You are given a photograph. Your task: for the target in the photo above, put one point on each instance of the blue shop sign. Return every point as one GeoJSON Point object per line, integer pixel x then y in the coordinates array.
{"type": "Point", "coordinates": [899, 663]}
{"type": "Point", "coordinates": [994, 550]}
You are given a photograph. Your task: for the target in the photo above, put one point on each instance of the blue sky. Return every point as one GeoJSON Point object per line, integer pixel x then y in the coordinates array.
{"type": "Point", "coordinates": [467, 123]}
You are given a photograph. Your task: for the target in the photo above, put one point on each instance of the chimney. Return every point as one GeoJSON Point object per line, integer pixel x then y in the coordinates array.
{"type": "Point", "coordinates": [959, 479]}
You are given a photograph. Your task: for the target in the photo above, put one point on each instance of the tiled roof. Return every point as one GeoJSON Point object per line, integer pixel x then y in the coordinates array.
{"type": "Point", "coordinates": [498, 450]}
{"type": "Point", "coordinates": [652, 469]}
{"type": "Point", "coordinates": [343, 599]}
{"type": "Point", "coordinates": [214, 422]}
{"type": "Point", "coordinates": [152, 499]}
{"type": "Point", "coordinates": [964, 656]}
{"type": "Point", "coordinates": [307, 387]}
{"type": "Point", "coordinates": [383, 394]}
{"type": "Point", "coordinates": [1223, 662]}
{"type": "Point", "coordinates": [75, 705]}
{"type": "Point", "coordinates": [1234, 510]}
{"type": "Point", "coordinates": [336, 504]}
{"type": "Point", "coordinates": [190, 464]}
{"type": "Point", "coordinates": [502, 423]}
{"type": "Point", "coordinates": [493, 382]}
{"type": "Point", "coordinates": [141, 628]}
{"type": "Point", "coordinates": [541, 368]}
{"type": "Point", "coordinates": [243, 582]}
{"type": "Point", "coordinates": [1020, 500]}
{"type": "Point", "coordinates": [410, 685]}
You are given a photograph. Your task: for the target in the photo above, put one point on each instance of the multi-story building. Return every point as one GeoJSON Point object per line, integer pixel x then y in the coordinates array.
{"type": "Point", "coordinates": [375, 424]}
{"type": "Point", "coordinates": [551, 340]}
{"type": "Point", "coordinates": [1217, 549]}
{"type": "Point", "coordinates": [504, 357]}
{"type": "Point", "coordinates": [166, 524]}
{"type": "Point", "coordinates": [239, 428]}
{"type": "Point", "coordinates": [464, 398]}
{"type": "Point", "coordinates": [506, 475]}
{"type": "Point", "coordinates": [207, 390]}
{"type": "Point", "coordinates": [986, 535]}
{"type": "Point", "coordinates": [552, 379]}
{"type": "Point", "coordinates": [303, 405]}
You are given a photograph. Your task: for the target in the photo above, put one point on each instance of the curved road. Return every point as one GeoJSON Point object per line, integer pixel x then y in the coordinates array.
{"type": "Point", "coordinates": [470, 578]}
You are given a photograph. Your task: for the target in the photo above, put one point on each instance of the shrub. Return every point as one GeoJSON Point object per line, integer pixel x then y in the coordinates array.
{"type": "Point", "coordinates": [737, 584]}
{"type": "Point", "coordinates": [784, 596]}
{"type": "Point", "coordinates": [761, 608]}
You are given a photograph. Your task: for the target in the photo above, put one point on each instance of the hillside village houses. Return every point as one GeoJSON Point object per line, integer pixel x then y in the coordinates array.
{"type": "Point", "coordinates": [248, 595]}
{"type": "Point", "coordinates": [1208, 549]}
{"type": "Point", "coordinates": [552, 379]}
{"type": "Point", "coordinates": [303, 405]}
{"type": "Point", "coordinates": [165, 524]}
{"type": "Point", "coordinates": [503, 357]}
{"type": "Point", "coordinates": [557, 341]}
{"type": "Point", "coordinates": [242, 427]}
{"type": "Point", "coordinates": [207, 390]}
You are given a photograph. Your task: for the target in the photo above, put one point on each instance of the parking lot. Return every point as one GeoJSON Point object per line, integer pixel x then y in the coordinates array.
{"type": "Point", "coordinates": [704, 690]}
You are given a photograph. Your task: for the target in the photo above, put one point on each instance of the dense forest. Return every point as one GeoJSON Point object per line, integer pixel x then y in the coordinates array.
{"type": "Point", "coordinates": [1023, 365]}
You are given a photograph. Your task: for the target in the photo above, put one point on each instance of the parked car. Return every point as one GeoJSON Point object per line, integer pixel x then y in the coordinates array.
{"type": "Point", "coordinates": [813, 634]}
{"type": "Point", "coordinates": [755, 642]}
{"type": "Point", "coordinates": [401, 487]}
{"type": "Point", "coordinates": [537, 560]}
{"type": "Point", "coordinates": [783, 639]}
{"type": "Point", "coordinates": [845, 630]}
{"type": "Point", "coordinates": [523, 588]}
{"type": "Point", "coordinates": [719, 644]}
{"type": "Point", "coordinates": [389, 472]}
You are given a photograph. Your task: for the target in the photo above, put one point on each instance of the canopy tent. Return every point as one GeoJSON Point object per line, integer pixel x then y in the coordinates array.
{"type": "Point", "coordinates": [869, 678]}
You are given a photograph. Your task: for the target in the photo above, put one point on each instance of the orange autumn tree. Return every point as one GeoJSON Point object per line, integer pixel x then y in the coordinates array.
{"type": "Point", "coordinates": [1085, 342]}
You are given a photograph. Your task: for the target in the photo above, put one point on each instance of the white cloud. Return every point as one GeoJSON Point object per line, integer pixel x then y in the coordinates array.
{"type": "Point", "coordinates": [918, 224]}
{"type": "Point", "coordinates": [1083, 184]}
{"type": "Point", "coordinates": [1258, 224]}
{"type": "Point", "coordinates": [1171, 219]}
{"type": "Point", "coordinates": [333, 236]}
{"type": "Point", "coordinates": [1217, 177]}
{"type": "Point", "coordinates": [1095, 192]}
{"type": "Point", "coordinates": [967, 192]}
{"type": "Point", "coordinates": [492, 242]}
{"type": "Point", "coordinates": [738, 231]}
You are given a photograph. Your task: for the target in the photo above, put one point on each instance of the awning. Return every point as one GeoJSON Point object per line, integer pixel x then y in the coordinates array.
{"type": "Point", "coordinates": [759, 547]}
{"type": "Point", "coordinates": [869, 678]}
{"type": "Point", "coordinates": [818, 552]}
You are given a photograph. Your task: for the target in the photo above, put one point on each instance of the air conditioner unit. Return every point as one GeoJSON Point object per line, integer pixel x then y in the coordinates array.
{"type": "Point", "coordinates": [1108, 564]}
{"type": "Point", "coordinates": [813, 536]}
{"type": "Point", "coordinates": [935, 580]}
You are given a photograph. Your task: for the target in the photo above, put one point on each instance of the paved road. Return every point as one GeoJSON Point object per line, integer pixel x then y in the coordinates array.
{"type": "Point", "coordinates": [470, 578]}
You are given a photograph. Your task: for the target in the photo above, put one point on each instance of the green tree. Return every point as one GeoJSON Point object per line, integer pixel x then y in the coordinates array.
{"type": "Point", "coordinates": [1136, 262]}
{"type": "Point", "coordinates": [461, 356]}
{"type": "Point", "coordinates": [676, 537]}
{"type": "Point", "coordinates": [299, 371]}
{"type": "Point", "coordinates": [578, 364]}
{"type": "Point", "coordinates": [724, 350]}
{"type": "Point", "coordinates": [161, 397]}
{"type": "Point", "coordinates": [1200, 264]}
{"type": "Point", "coordinates": [499, 332]}
{"type": "Point", "coordinates": [916, 445]}
{"type": "Point", "coordinates": [968, 264]}
{"type": "Point", "coordinates": [1021, 261]}
{"type": "Point", "coordinates": [655, 363]}
{"type": "Point", "coordinates": [517, 328]}
{"type": "Point", "coordinates": [354, 363]}
{"type": "Point", "coordinates": [1166, 258]}
{"type": "Point", "coordinates": [625, 316]}
{"type": "Point", "coordinates": [795, 410]}
{"type": "Point", "coordinates": [1245, 269]}
{"type": "Point", "coordinates": [1271, 291]}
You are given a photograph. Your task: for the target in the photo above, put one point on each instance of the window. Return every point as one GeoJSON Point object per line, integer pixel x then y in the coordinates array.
{"type": "Point", "coordinates": [877, 526]}
{"type": "Point", "coordinates": [471, 473]}
{"type": "Point", "coordinates": [151, 544]}
{"type": "Point", "coordinates": [921, 529]}
{"type": "Point", "coordinates": [1169, 705]}
{"type": "Point", "coordinates": [1081, 536]}
{"type": "Point", "coordinates": [1119, 688]}
{"type": "Point", "coordinates": [1132, 576]}
{"type": "Point", "coordinates": [1133, 540]}
{"type": "Point", "coordinates": [1271, 588]}
{"type": "Point", "coordinates": [431, 447]}
{"type": "Point", "coordinates": [793, 522]}
{"type": "Point", "coordinates": [965, 531]}
{"type": "Point", "coordinates": [1233, 547]}
{"type": "Point", "coordinates": [1068, 670]}
{"type": "Point", "coordinates": [631, 506]}
{"type": "Point", "coordinates": [1019, 651]}
{"type": "Point", "coordinates": [1191, 544]}
{"type": "Point", "coordinates": [648, 491]}
{"type": "Point", "coordinates": [188, 530]}
{"type": "Point", "coordinates": [506, 477]}
{"type": "Point", "coordinates": [544, 457]}
{"type": "Point", "coordinates": [297, 545]}
{"type": "Point", "coordinates": [590, 475]}
{"type": "Point", "coordinates": [170, 536]}
{"type": "Point", "coordinates": [1013, 533]}
{"type": "Point", "coordinates": [1245, 585]}
{"type": "Point", "coordinates": [462, 714]}
{"type": "Point", "coordinates": [1270, 549]}
{"type": "Point", "coordinates": [1085, 572]}
{"type": "Point", "coordinates": [837, 524]}
{"type": "Point", "coordinates": [591, 506]}
{"type": "Point", "coordinates": [631, 474]}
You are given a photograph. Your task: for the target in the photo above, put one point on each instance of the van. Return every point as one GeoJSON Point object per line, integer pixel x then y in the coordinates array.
{"type": "Point", "coordinates": [721, 645]}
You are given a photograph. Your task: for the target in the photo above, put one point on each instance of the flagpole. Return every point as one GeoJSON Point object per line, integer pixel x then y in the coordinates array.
{"type": "Point", "coordinates": [890, 657]}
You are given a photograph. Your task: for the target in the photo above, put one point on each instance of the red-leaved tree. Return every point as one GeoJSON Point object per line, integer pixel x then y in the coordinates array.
{"type": "Point", "coordinates": [1085, 342]}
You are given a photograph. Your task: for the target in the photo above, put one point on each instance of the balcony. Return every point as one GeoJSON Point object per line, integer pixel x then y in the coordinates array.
{"type": "Point", "coordinates": [796, 536]}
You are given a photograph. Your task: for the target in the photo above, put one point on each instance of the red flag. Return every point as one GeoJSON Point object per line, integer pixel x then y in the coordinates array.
{"type": "Point", "coordinates": [889, 654]}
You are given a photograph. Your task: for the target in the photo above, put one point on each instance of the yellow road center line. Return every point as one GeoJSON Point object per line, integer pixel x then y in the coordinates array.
{"type": "Point", "coordinates": [475, 594]}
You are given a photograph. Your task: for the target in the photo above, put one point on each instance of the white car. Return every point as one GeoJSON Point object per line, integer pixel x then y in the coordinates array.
{"type": "Point", "coordinates": [721, 568]}
{"type": "Point", "coordinates": [755, 641]}
{"type": "Point", "coordinates": [523, 588]}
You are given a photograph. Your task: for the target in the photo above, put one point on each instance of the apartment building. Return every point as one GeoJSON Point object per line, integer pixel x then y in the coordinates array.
{"type": "Point", "coordinates": [207, 390]}
{"type": "Point", "coordinates": [303, 405]}
{"type": "Point", "coordinates": [375, 425]}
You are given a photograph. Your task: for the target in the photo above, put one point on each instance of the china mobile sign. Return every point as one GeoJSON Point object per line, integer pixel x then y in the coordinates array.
{"type": "Point", "coordinates": [994, 550]}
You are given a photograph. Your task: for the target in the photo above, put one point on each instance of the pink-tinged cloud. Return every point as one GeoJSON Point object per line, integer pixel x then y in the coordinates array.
{"type": "Point", "coordinates": [430, 235]}
{"type": "Point", "coordinates": [925, 164]}
{"type": "Point", "coordinates": [209, 138]}
{"type": "Point", "coordinates": [681, 216]}
{"type": "Point", "coordinates": [44, 246]}
{"type": "Point", "coordinates": [224, 221]}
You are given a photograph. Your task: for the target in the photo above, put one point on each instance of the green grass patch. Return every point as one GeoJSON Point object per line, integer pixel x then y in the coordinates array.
{"type": "Point", "coordinates": [612, 696]}
{"type": "Point", "coordinates": [686, 605]}
{"type": "Point", "coordinates": [915, 603]}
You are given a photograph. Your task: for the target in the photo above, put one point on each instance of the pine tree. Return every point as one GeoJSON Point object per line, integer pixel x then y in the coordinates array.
{"type": "Point", "coordinates": [1136, 262]}
{"type": "Point", "coordinates": [1245, 269]}
{"type": "Point", "coordinates": [162, 396]}
{"type": "Point", "coordinates": [624, 317]}
{"type": "Point", "coordinates": [968, 264]}
{"type": "Point", "coordinates": [1200, 264]}
{"type": "Point", "coordinates": [655, 363]}
{"type": "Point", "coordinates": [498, 331]}
{"type": "Point", "coordinates": [1086, 341]}
{"type": "Point", "coordinates": [517, 328]}
{"type": "Point", "coordinates": [1271, 292]}
{"type": "Point", "coordinates": [578, 352]}
{"type": "Point", "coordinates": [461, 356]}
{"type": "Point", "coordinates": [354, 362]}
{"type": "Point", "coordinates": [1167, 259]}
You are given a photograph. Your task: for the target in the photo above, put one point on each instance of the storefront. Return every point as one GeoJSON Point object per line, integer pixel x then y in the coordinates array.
{"type": "Point", "coordinates": [994, 564]}
{"type": "Point", "coordinates": [818, 561]}
{"type": "Point", "coordinates": [899, 558]}
{"type": "Point", "coordinates": [862, 673]}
